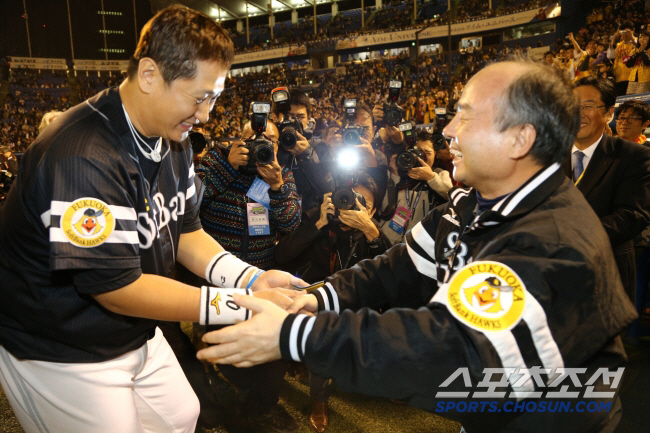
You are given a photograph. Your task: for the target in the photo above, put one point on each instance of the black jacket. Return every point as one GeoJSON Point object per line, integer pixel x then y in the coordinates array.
{"type": "Point", "coordinates": [616, 184]}
{"type": "Point", "coordinates": [565, 308]}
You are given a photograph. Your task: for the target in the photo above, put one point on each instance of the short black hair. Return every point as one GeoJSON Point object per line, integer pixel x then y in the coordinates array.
{"type": "Point", "coordinates": [176, 38]}
{"type": "Point", "coordinates": [423, 135]}
{"type": "Point", "coordinates": [298, 97]}
{"type": "Point", "coordinates": [542, 97]}
{"type": "Point", "coordinates": [364, 179]}
{"type": "Point", "coordinates": [639, 108]}
{"type": "Point", "coordinates": [604, 86]}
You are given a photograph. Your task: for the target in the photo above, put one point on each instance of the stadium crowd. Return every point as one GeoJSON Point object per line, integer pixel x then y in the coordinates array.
{"type": "Point", "coordinates": [310, 231]}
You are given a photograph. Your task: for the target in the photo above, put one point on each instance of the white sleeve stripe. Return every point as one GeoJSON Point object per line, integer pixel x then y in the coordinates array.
{"type": "Point", "coordinates": [46, 217]}
{"type": "Point", "coordinates": [190, 192]}
{"type": "Point", "coordinates": [116, 237]}
{"type": "Point", "coordinates": [421, 264]}
{"type": "Point", "coordinates": [124, 213]}
{"type": "Point", "coordinates": [123, 237]}
{"type": "Point", "coordinates": [422, 237]}
{"type": "Point", "coordinates": [310, 325]}
{"type": "Point", "coordinates": [505, 344]}
{"type": "Point", "coordinates": [334, 301]}
{"type": "Point", "coordinates": [119, 212]}
{"type": "Point", "coordinates": [293, 337]}
{"type": "Point", "coordinates": [59, 207]}
{"type": "Point", "coordinates": [546, 347]}
{"type": "Point", "coordinates": [191, 176]}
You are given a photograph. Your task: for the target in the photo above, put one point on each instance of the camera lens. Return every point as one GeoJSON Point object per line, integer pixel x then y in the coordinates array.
{"type": "Point", "coordinates": [406, 160]}
{"type": "Point", "coordinates": [288, 138]}
{"type": "Point", "coordinates": [393, 117]}
{"type": "Point", "coordinates": [343, 198]}
{"type": "Point", "coordinates": [351, 137]}
{"type": "Point", "coordinates": [264, 154]}
{"type": "Point", "coordinates": [438, 141]}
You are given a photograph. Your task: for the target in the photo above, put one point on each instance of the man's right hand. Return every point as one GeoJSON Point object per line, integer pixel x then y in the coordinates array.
{"type": "Point", "coordinates": [238, 155]}
{"type": "Point", "coordinates": [301, 145]}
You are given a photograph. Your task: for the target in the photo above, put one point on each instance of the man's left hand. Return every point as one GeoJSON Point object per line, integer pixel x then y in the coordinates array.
{"type": "Point", "coordinates": [248, 343]}
{"type": "Point", "coordinates": [423, 172]}
{"type": "Point", "coordinates": [271, 174]}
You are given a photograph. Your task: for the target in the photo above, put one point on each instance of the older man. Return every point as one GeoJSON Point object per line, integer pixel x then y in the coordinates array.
{"type": "Point", "coordinates": [504, 291]}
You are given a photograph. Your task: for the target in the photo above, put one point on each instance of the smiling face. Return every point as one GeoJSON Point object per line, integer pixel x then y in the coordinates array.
{"type": "Point", "coordinates": [179, 105]}
{"type": "Point", "coordinates": [629, 125]}
{"type": "Point", "coordinates": [593, 116]}
{"type": "Point", "coordinates": [478, 148]}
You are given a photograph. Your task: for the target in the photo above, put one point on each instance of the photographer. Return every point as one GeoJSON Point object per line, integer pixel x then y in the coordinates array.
{"type": "Point", "coordinates": [303, 160]}
{"type": "Point", "coordinates": [418, 189]}
{"type": "Point", "coordinates": [371, 160]}
{"type": "Point", "coordinates": [227, 198]}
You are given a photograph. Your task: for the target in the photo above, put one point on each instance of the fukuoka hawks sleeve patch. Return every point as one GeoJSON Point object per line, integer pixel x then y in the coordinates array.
{"type": "Point", "coordinates": [489, 297]}
{"type": "Point", "coordinates": [100, 234]}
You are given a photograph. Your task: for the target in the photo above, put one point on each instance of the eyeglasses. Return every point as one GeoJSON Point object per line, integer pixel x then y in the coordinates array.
{"type": "Point", "coordinates": [590, 108]}
{"type": "Point", "coordinates": [628, 119]}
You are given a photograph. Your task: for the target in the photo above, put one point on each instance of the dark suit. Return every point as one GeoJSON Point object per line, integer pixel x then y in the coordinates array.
{"type": "Point", "coordinates": [616, 183]}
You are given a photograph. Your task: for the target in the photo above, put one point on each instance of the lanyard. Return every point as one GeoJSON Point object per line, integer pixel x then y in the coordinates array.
{"type": "Point", "coordinates": [581, 174]}
{"type": "Point", "coordinates": [417, 198]}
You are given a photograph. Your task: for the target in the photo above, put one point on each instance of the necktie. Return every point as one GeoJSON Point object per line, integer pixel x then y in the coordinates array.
{"type": "Point", "coordinates": [578, 169]}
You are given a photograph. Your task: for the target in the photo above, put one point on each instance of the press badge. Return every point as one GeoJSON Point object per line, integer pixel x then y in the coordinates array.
{"type": "Point", "coordinates": [400, 220]}
{"type": "Point", "coordinates": [259, 191]}
{"type": "Point", "coordinates": [258, 219]}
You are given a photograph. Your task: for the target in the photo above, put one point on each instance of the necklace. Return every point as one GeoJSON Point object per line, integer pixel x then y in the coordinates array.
{"type": "Point", "coordinates": [153, 154]}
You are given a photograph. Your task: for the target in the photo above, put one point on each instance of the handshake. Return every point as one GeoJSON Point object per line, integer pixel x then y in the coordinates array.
{"type": "Point", "coordinates": [257, 340]}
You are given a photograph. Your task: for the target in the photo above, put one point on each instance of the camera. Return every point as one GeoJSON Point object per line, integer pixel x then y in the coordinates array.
{"type": "Point", "coordinates": [260, 150]}
{"type": "Point", "coordinates": [350, 110]}
{"type": "Point", "coordinates": [441, 121]}
{"type": "Point", "coordinates": [344, 198]}
{"type": "Point", "coordinates": [392, 112]}
{"type": "Point", "coordinates": [289, 125]}
{"type": "Point", "coordinates": [352, 135]}
{"type": "Point", "coordinates": [408, 132]}
{"type": "Point", "coordinates": [408, 158]}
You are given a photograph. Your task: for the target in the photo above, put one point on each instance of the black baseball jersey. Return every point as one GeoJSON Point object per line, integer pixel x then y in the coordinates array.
{"type": "Point", "coordinates": [88, 214]}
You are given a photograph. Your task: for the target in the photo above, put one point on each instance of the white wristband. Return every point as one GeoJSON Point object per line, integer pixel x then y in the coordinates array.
{"type": "Point", "coordinates": [226, 270]}
{"type": "Point", "coordinates": [218, 307]}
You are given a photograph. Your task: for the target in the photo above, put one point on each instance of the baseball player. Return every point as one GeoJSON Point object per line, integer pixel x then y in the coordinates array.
{"type": "Point", "coordinates": [106, 202]}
